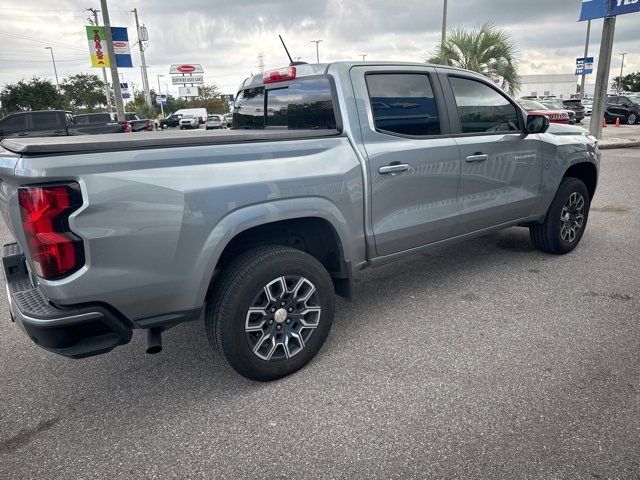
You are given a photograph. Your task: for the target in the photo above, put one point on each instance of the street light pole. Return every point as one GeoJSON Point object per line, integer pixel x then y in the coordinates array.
{"type": "Point", "coordinates": [317, 42]}
{"type": "Point", "coordinates": [55, 70]}
{"type": "Point", "coordinates": [619, 79]}
{"type": "Point", "coordinates": [112, 61]}
{"type": "Point", "coordinates": [104, 71]}
{"type": "Point", "coordinates": [586, 52]}
{"type": "Point", "coordinates": [364, 55]}
{"type": "Point", "coordinates": [444, 23]}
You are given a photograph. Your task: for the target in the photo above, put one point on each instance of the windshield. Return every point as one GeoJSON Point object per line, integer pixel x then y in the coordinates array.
{"type": "Point", "coordinates": [635, 100]}
{"type": "Point", "coordinates": [553, 104]}
{"type": "Point", "coordinates": [531, 105]}
{"type": "Point", "coordinates": [187, 117]}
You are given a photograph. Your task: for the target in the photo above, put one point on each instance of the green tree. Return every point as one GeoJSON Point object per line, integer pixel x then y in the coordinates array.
{"type": "Point", "coordinates": [209, 98]}
{"type": "Point", "coordinates": [630, 83]}
{"type": "Point", "coordinates": [486, 49]}
{"type": "Point", "coordinates": [84, 92]}
{"type": "Point", "coordinates": [34, 94]}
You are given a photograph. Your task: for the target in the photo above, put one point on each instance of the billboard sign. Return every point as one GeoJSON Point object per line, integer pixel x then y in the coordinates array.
{"type": "Point", "coordinates": [185, 68]}
{"type": "Point", "coordinates": [187, 79]}
{"type": "Point", "coordinates": [592, 9]}
{"type": "Point", "coordinates": [188, 91]}
{"type": "Point", "coordinates": [124, 88]}
{"type": "Point", "coordinates": [621, 7]}
{"type": "Point", "coordinates": [161, 99]}
{"type": "Point", "coordinates": [584, 66]}
{"type": "Point", "coordinates": [97, 39]}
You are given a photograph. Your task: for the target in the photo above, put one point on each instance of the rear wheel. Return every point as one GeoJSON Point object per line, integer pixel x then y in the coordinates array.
{"type": "Point", "coordinates": [270, 312]}
{"type": "Point", "coordinates": [632, 118]}
{"type": "Point", "coordinates": [566, 219]}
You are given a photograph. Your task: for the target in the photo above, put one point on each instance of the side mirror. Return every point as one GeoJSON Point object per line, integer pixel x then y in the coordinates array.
{"type": "Point", "coordinates": [537, 124]}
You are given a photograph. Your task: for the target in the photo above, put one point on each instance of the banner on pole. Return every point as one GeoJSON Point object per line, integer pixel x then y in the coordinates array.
{"type": "Point", "coordinates": [97, 39]}
{"type": "Point", "coordinates": [584, 66]}
{"type": "Point", "coordinates": [124, 88]}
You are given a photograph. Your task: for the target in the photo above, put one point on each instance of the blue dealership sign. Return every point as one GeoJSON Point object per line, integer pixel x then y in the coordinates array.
{"type": "Point", "coordinates": [584, 66]}
{"type": "Point", "coordinates": [592, 9]}
{"type": "Point", "coordinates": [620, 7]}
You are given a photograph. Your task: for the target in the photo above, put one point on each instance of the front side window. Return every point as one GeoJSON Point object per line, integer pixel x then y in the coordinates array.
{"type": "Point", "coordinates": [45, 121]}
{"type": "Point", "coordinates": [481, 108]}
{"type": "Point", "coordinates": [403, 103]}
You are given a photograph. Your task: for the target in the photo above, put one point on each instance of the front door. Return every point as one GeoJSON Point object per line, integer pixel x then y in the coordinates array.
{"type": "Point", "coordinates": [501, 164]}
{"type": "Point", "coordinates": [414, 164]}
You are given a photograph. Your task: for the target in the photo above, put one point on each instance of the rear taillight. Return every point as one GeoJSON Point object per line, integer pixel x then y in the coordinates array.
{"type": "Point", "coordinates": [53, 248]}
{"type": "Point", "coordinates": [126, 128]}
{"type": "Point", "coordinates": [149, 126]}
{"type": "Point", "coordinates": [280, 75]}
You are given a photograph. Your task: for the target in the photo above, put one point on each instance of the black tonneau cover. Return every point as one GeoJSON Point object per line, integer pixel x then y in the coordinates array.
{"type": "Point", "coordinates": [145, 140]}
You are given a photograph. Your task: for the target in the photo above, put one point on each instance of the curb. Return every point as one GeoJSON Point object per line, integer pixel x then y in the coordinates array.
{"type": "Point", "coordinates": [612, 145]}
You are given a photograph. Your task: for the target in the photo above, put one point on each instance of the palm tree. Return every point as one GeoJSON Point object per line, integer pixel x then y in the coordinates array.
{"type": "Point", "coordinates": [486, 49]}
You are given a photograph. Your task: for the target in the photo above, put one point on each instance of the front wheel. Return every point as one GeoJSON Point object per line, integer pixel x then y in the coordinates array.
{"type": "Point", "coordinates": [270, 312]}
{"type": "Point", "coordinates": [566, 219]}
{"type": "Point", "coordinates": [632, 119]}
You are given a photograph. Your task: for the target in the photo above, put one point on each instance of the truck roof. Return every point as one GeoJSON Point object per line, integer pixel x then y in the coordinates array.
{"type": "Point", "coordinates": [113, 142]}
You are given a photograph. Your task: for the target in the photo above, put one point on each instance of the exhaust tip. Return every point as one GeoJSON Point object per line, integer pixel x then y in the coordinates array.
{"type": "Point", "coordinates": [154, 341]}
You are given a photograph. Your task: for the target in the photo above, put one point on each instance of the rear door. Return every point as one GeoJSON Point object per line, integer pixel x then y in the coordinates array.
{"type": "Point", "coordinates": [47, 124]}
{"type": "Point", "coordinates": [501, 164]}
{"type": "Point", "coordinates": [414, 164]}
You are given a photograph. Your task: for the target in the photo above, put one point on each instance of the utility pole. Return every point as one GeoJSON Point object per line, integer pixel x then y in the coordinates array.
{"type": "Point", "coordinates": [160, 93]}
{"type": "Point", "coordinates": [142, 33]}
{"type": "Point", "coordinates": [104, 71]}
{"type": "Point", "coordinates": [619, 79]}
{"type": "Point", "coordinates": [55, 70]}
{"type": "Point", "coordinates": [602, 76]}
{"type": "Point", "coordinates": [586, 53]}
{"type": "Point", "coordinates": [112, 61]}
{"type": "Point", "coordinates": [317, 42]}
{"type": "Point", "coordinates": [444, 23]}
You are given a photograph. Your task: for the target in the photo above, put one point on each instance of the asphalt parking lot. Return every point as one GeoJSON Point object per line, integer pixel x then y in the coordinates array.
{"type": "Point", "coordinates": [484, 360]}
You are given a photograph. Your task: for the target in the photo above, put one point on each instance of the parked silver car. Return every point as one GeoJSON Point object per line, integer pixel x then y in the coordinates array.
{"type": "Point", "coordinates": [214, 122]}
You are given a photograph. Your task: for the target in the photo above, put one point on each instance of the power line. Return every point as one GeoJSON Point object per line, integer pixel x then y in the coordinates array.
{"type": "Point", "coordinates": [46, 42]}
{"type": "Point", "coordinates": [43, 61]}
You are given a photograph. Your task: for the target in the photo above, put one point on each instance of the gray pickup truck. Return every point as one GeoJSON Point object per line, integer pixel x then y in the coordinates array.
{"type": "Point", "coordinates": [329, 169]}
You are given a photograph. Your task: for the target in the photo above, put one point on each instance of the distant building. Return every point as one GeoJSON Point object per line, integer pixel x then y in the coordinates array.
{"type": "Point", "coordinates": [561, 85]}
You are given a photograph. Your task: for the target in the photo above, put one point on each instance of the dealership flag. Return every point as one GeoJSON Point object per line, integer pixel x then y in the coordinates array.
{"type": "Point", "coordinates": [98, 47]}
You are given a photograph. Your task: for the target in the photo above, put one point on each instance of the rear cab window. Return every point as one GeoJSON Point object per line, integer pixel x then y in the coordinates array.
{"type": "Point", "coordinates": [305, 103]}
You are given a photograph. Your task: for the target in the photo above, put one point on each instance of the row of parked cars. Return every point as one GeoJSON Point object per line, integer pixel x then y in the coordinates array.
{"type": "Point", "coordinates": [55, 123]}
{"type": "Point", "coordinates": [190, 118]}
{"type": "Point", "coordinates": [625, 108]}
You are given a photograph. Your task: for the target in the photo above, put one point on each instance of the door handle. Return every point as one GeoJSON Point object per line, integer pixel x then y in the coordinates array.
{"type": "Point", "coordinates": [23, 134]}
{"type": "Point", "coordinates": [477, 157]}
{"type": "Point", "coordinates": [394, 168]}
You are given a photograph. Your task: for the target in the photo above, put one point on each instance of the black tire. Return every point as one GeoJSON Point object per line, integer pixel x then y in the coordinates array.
{"type": "Point", "coordinates": [632, 118]}
{"type": "Point", "coordinates": [548, 235]}
{"type": "Point", "coordinates": [234, 293]}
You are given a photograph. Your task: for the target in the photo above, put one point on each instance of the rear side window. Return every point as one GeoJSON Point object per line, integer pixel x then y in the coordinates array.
{"type": "Point", "coordinates": [481, 108]}
{"type": "Point", "coordinates": [403, 103]}
{"type": "Point", "coordinates": [14, 124]}
{"type": "Point", "coordinates": [44, 121]}
{"type": "Point", "coordinates": [93, 118]}
{"type": "Point", "coordinates": [301, 104]}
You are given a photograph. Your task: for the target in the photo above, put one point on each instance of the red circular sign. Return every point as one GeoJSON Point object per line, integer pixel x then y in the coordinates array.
{"type": "Point", "coordinates": [186, 68]}
{"type": "Point", "coordinates": [119, 44]}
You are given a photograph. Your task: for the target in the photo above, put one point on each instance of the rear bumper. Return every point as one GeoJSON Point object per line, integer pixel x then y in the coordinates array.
{"type": "Point", "coordinates": [76, 332]}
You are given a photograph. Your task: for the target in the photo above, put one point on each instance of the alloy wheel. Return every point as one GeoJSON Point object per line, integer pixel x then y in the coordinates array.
{"type": "Point", "coordinates": [282, 318]}
{"type": "Point", "coordinates": [572, 217]}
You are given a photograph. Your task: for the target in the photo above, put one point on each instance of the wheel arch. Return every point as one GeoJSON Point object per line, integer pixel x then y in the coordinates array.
{"type": "Point", "coordinates": [587, 173]}
{"type": "Point", "coordinates": [314, 225]}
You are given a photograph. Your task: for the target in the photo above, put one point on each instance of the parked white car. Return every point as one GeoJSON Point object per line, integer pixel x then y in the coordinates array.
{"type": "Point", "coordinates": [189, 121]}
{"type": "Point", "coordinates": [214, 121]}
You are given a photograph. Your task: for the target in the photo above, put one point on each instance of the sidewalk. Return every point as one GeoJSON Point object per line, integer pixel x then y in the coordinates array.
{"type": "Point", "coordinates": [618, 137]}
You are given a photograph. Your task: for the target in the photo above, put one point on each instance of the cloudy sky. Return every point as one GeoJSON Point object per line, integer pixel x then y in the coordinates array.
{"type": "Point", "coordinates": [227, 36]}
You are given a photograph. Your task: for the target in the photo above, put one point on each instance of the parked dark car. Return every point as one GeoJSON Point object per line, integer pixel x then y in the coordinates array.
{"type": "Point", "coordinates": [101, 118]}
{"type": "Point", "coordinates": [170, 121]}
{"type": "Point", "coordinates": [627, 109]}
{"type": "Point", "coordinates": [576, 105]}
{"type": "Point", "coordinates": [51, 123]}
